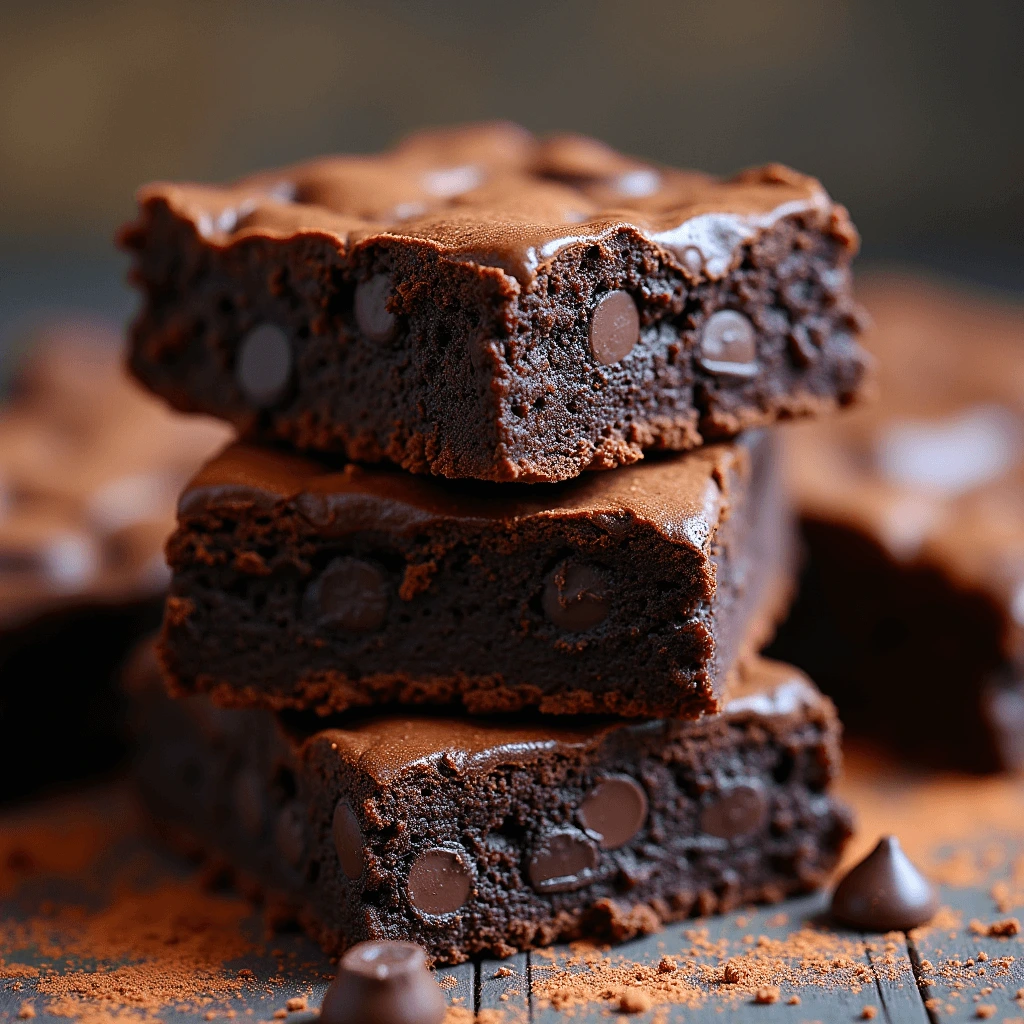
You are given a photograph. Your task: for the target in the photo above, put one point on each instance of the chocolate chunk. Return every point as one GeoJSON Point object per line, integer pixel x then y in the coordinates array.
{"type": "Point", "coordinates": [290, 834]}
{"type": "Point", "coordinates": [374, 318]}
{"type": "Point", "coordinates": [248, 798]}
{"type": "Point", "coordinates": [348, 839]}
{"type": "Point", "coordinates": [884, 892]}
{"type": "Point", "coordinates": [614, 327]}
{"type": "Point", "coordinates": [383, 983]}
{"type": "Point", "coordinates": [264, 364]}
{"type": "Point", "coordinates": [440, 881]}
{"type": "Point", "coordinates": [574, 597]}
{"type": "Point", "coordinates": [728, 345]}
{"type": "Point", "coordinates": [350, 594]}
{"type": "Point", "coordinates": [738, 810]}
{"type": "Point", "coordinates": [615, 810]}
{"type": "Point", "coordinates": [564, 861]}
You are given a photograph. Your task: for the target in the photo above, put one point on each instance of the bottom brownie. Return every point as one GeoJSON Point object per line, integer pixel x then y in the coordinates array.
{"type": "Point", "coordinates": [472, 836]}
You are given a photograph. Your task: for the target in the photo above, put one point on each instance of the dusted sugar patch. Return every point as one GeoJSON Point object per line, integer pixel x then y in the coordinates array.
{"type": "Point", "coordinates": [484, 836]}
{"type": "Point", "coordinates": [478, 303]}
{"type": "Point", "coordinates": [295, 586]}
{"type": "Point", "coordinates": [912, 606]}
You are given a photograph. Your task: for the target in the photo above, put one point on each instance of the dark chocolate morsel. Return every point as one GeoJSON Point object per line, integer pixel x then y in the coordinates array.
{"type": "Point", "coordinates": [884, 892]}
{"type": "Point", "coordinates": [728, 345]}
{"type": "Point", "coordinates": [563, 861]}
{"type": "Point", "coordinates": [374, 318]}
{"type": "Point", "coordinates": [440, 881]}
{"type": "Point", "coordinates": [350, 594]}
{"type": "Point", "coordinates": [614, 810]}
{"type": "Point", "coordinates": [264, 364]}
{"type": "Point", "coordinates": [248, 798]}
{"type": "Point", "coordinates": [737, 810]}
{"type": "Point", "coordinates": [348, 839]}
{"type": "Point", "coordinates": [614, 327]}
{"type": "Point", "coordinates": [383, 983]}
{"type": "Point", "coordinates": [574, 597]}
{"type": "Point", "coordinates": [290, 834]}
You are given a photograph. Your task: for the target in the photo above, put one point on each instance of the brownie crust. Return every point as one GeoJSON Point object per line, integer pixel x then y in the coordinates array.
{"type": "Point", "coordinates": [474, 837]}
{"type": "Point", "coordinates": [628, 593]}
{"type": "Point", "coordinates": [480, 304]}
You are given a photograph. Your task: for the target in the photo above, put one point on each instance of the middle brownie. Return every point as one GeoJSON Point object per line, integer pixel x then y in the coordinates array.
{"type": "Point", "coordinates": [296, 586]}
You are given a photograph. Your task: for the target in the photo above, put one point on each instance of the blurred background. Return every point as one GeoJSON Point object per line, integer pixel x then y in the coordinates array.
{"type": "Point", "coordinates": [910, 112]}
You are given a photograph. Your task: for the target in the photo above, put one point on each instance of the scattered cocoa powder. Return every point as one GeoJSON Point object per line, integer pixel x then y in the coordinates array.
{"type": "Point", "coordinates": [997, 929]}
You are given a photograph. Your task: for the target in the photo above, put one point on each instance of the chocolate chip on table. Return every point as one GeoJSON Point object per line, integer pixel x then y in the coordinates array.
{"type": "Point", "coordinates": [884, 892]}
{"type": "Point", "coordinates": [614, 327]}
{"type": "Point", "coordinates": [383, 983]}
{"type": "Point", "coordinates": [614, 810]}
{"type": "Point", "coordinates": [373, 317]}
{"type": "Point", "coordinates": [264, 364]}
{"type": "Point", "coordinates": [563, 862]}
{"type": "Point", "coordinates": [728, 345]}
{"type": "Point", "coordinates": [440, 881]}
{"type": "Point", "coordinates": [574, 597]}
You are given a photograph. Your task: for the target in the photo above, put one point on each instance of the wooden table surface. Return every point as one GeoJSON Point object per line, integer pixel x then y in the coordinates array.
{"type": "Point", "coordinates": [66, 861]}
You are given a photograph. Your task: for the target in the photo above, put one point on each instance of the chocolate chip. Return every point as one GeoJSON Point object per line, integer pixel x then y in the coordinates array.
{"type": "Point", "coordinates": [383, 983]}
{"type": "Point", "coordinates": [728, 345]}
{"type": "Point", "coordinates": [350, 594]}
{"type": "Point", "coordinates": [739, 809]}
{"type": "Point", "coordinates": [264, 364]}
{"type": "Point", "coordinates": [248, 792]}
{"type": "Point", "coordinates": [564, 861]}
{"type": "Point", "coordinates": [348, 839]}
{"type": "Point", "coordinates": [574, 597]}
{"type": "Point", "coordinates": [290, 834]}
{"type": "Point", "coordinates": [614, 327]}
{"type": "Point", "coordinates": [440, 881]}
{"type": "Point", "coordinates": [614, 810]}
{"type": "Point", "coordinates": [374, 318]}
{"type": "Point", "coordinates": [884, 892]}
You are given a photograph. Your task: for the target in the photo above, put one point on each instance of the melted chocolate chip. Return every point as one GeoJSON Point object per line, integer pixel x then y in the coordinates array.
{"type": "Point", "coordinates": [264, 364]}
{"type": "Point", "coordinates": [440, 881]}
{"type": "Point", "coordinates": [348, 839]}
{"type": "Point", "coordinates": [736, 811]}
{"type": "Point", "coordinates": [350, 594]}
{"type": "Point", "coordinates": [248, 798]}
{"type": "Point", "coordinates": [614, 327]}
{"type": "Point", "coordinates": [614, 810]}
{"type": "Point", "coordinates": [290, 834]}
{"type": "Point", "coordinates": [884, 892]}
{"type": "Point", "coordinates": [383, 983]}
{"type": "Point", "coordinates": [728, 345]}
{"type": "Point", "coordinates": [574, 597]}
{"type": "Point", "coordinates": [564, 861]}
{"type": "Point", "coordinates": [374, 318]}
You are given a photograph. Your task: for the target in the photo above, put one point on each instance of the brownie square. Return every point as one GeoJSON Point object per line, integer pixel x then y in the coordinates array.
{"type": "Point", "coordinates": [478, 303]}
{"type": "Point", "coordinates": [297, 586]}
{"type": "Point", "coordinates": [911, 612]}
{"type": "Point", "coordinates": [474, 836]}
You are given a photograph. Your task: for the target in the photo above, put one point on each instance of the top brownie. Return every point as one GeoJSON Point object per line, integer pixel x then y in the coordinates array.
{"type": "Point", "coordinates": [479, 303]}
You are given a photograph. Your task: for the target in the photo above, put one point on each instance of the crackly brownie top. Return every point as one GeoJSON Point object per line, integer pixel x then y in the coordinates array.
{"type": "Point", "coordinates": [683, 497]}
{"type": "Point", "coordinates": [387, 747]}
{"type": "Point", "coordinates": [496, 196]}
{"type": "Point", "coordinates": [934, 471]}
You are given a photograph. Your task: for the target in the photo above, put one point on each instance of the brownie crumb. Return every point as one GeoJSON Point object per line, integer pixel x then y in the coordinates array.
{"type": "Point", "coordinates": [1003, 929]}
{"type": "Point", "coordinates": [635, 1000]}
{"type": "Point", "coordinates": [503, 972]}
{"type": "Point", "coordinates": [766, 995]}
{"type": "Point", "coordinates": [985, 1011]}
{"type": "Point", "coordinates": [793, 1001]}
{"type": "Point", "coordinates": [25, 1011]}
{"type": "Point", "coordinates": [869, 1013]}
{"type": "Point", "coordinates": [296, 1003]}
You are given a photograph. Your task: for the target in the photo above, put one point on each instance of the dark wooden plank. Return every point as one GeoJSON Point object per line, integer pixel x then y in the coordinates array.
{"type": "Point", "coordinates": [504, 986]}
{"type": "Point", "coordinates": [459, 985]}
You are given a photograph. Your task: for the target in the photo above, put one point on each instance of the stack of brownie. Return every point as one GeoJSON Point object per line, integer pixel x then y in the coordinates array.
{"type": "Point", "coordinates": [431, 676]}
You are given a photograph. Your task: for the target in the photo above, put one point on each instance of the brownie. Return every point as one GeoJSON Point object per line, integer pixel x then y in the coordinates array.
{"type": "Point", "coordinates": [295, 586]}
{"type": "Point", "coordinates": [484, 836]}
{"type": "Point", "coordinates": [478, 303]}
{"type": "Point", "coordinates": [90, 466]}
{"type": "Point", "coordinates": [911, 612]}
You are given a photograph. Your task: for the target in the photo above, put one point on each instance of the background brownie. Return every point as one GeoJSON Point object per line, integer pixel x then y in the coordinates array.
{"type": "Point", "coordinates": [911, 612]}
{"type": "Point", "coordinates": [471, 836]}
{"type": "Point", "coordinates": [90, 466]}
{"type": "Point", "coordinates": [477, 303]}
{"type": "Point", "coordinates": [623, 592]}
